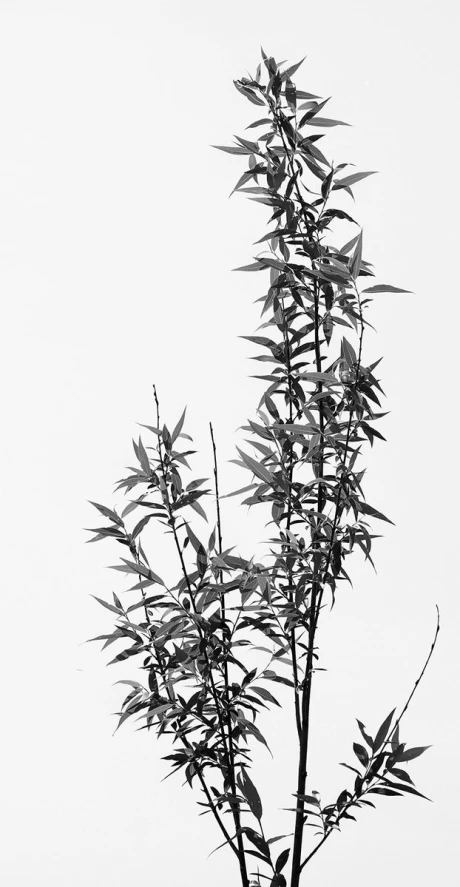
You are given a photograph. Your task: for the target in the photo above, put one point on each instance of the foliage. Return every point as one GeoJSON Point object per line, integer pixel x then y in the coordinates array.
{"type": "Point", "coordinates": [194, 640]}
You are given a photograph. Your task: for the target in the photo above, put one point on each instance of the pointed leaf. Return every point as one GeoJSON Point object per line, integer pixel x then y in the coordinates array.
{"type": "Point", "coordinates": [367, 509]}
{"type": "Point", "coordinates": [365, 735]}
{"type": "Point", "coordinates": [250, 793]}
{"type": "Point", "coordinates": [355, 261]}
{"type": "Point", "coordinates": [256, 467]}
{"type": "Point", "coordinates": [107, 512]}
{"type": "Point", "coordinates": [361, 753]}
{"type": "Point", "coordinates": [325, 121]}
{"type": "Point", "coordinates": [381, 734]}
{"type": "Point", "coordinates": [178, 427]}
{"type": "Point", "coordinates": [351, 180]}
{"type": "Point", "coordinates": [282, 860]}
{"type": "Point", "coordinates": [410, 753]}
{"type": "Point", "coordinates": [385, 288]}
{"type": "Point", "coordinates": [256, 266]}
{"type": "Point", "coordinates": [143, 458]}
{"type": "Point", "coordinates": [108, 606]}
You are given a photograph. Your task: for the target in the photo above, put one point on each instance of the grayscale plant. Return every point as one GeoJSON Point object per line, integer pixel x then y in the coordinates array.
{"type": "Point", "coordinates": [192, 641]}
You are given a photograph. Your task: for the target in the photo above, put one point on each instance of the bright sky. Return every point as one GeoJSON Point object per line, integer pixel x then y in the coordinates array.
{"type": "Point", "coordinates": [117, 241]}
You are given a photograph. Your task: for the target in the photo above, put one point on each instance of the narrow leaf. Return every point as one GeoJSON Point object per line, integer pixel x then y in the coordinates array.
{"type": "Point", "coordinates": [250, 793]}
{"type": "Point", "coordinates": [383, 730]}
{"type": "Point", "coordinates": [351, 180]}
{"type": "Point", "coordinates": [385, 288]}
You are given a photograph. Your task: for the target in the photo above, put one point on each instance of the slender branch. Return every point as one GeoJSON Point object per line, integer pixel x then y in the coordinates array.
{"type": "Point", "coordinates": [172, 521]}
{"type": "Point", "coordinates": [314, 612]}
{"type": "Point", "coordinates": [287, 347]}
{"type": "Point", "coordinates": [438, 626]}
{"type": "Point", "coordinates": [393, 730]}
{"type": "Point", "coordinates": [211, 802]}
{"type": "Point", "coordinates": [231, 757]}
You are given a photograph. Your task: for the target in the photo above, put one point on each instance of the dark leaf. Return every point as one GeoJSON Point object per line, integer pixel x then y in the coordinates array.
{"type": "Point", "coordinates": [258, 842]}
{"type": "Point", "coordinates": [361, 753]}
{"type": "Point", "coordinates": [367, 509]}
{"type": "Point", "coordinates": [265, 694]}
{"type": "Point", "coordinates": [410, 753]}
{"type": "Point", "coordinates": [400, 774]}
{"type": "Point", "coordinates": [251, 794]}
{"type": "Point", "coordinates": [381, 734]}
{"type": "Point", "coordinates": [365, 735]}
{"type": "Point", "coordinates": [282, 860]}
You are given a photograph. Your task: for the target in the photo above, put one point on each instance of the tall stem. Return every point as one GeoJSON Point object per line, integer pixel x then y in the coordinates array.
{"type": "Point", "coordinates": [226, 754]}
{"type": "Point", "coordinates": [231, 757]}
{"type": "Point", "coordinates": [313, 620]}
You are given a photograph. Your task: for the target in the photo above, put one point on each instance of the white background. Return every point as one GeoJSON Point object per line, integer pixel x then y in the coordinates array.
{"type": "Point", "coordinates": [117, 241]}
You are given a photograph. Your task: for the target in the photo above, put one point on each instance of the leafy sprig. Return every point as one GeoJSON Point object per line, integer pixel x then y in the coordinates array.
{"type": "Point", "coordinates": [315, 416]}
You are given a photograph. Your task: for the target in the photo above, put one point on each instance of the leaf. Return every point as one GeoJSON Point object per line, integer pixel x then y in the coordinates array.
{"type": "Point", "coordinates": [382, 731]}
{"type": "Point", "coordinates": [236, 492]}
{"type": "Point", "coordinates": [367, 509]}
{"type": "Point", "coordinates": [199, 510]}
{"type": "Point", "coordinates": [407, 788]}
{"type": "Point", "coordinates": [107, 605]}
{"type": "Point", "coordinates": [290, 71]}
{"type": "Point", "coordinates": [262, 120]}
{"type": "Point", "coordinates": [365, 735]}
{"type": "Point", "coordinates": [178, 427]}
{"type": "Point", "coordinates": [256, 266]}
{"type": "Point", "coordinates": [265, 694]}
{"type": "Point", "coordinates": [227, 841]}
{"type": "Point", "coordinates": [309, 799]}
{"type": "Point", "coordinates": [258, 841]}
{"type": "Point", "coordinates": [351, 180]}
{"type": "Point", "coordinates": [319, 377]}
{"type": "Point", "coordinates": [325, 121]}
{"type": "Point", "coordinates": [107, 512]}
{"type": "Point", "coordinates": [400, 774]}
{"type": "Point", "coordinates": [385, 288]}
{"type": "Point", "coordinates": [256, 467]}
{"type": "Point", "coordinates": [193, 539]}
{"type": "Point", "coordinates": [232, 150]}
{"type": "Point", "coordinates": [410, 753]}
{"type": "Point", "coordinates": [278, 679]}
{"type": "Point", "coordinates": [348, 246]}
{"type": "Point", "coordinates": [143, 458]}
{"type": "Point", "coordinates": [282, 860]}
{"type": "Point", "coordinates": [355, 260]}
{"type": "Point", "coordinates": [361, 753]}
{"type": "Point", "coordinates": [250, 793]}
{"type": "Point", "coordinates": [141, 524]}
{"type": "Point", "coordinates": [312, 112]}
{"type": "Point", "coordinates": [132, 567]}
{"type": "Point", "coordinates": [348, 352]}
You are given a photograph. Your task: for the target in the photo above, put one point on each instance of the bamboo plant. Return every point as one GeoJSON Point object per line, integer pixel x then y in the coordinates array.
{"type": "Point", "coordinates": [192, 640]}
